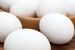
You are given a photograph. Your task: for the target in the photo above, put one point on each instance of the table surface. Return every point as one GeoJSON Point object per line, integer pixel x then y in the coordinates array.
{"type": "Point", "coordinates": [68, 46]}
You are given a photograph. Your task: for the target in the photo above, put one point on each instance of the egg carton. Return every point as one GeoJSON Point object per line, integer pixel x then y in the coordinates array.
{"type": "Point", "coordinates": [33, 23]}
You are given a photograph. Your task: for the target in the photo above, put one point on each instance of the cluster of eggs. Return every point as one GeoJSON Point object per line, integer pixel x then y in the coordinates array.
{"type": "Point", "coordinates": [54, 25]}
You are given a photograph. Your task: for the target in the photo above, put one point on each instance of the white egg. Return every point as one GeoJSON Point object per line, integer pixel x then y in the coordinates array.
{"type": "Point", "coordinates": [8, 23]}
{"type": "Point", "coordinates": [6, 4]}
{"type": "Point", "coordinates": [26, 39]}
{"type": "Point", "coordinates": [24, 8]}
{"type": "Point", "coordinates": [50, 6]}
{"type": "Point", "coordinates": [57, 27]}
{"type": "Point", "coordinates": [70, 7]}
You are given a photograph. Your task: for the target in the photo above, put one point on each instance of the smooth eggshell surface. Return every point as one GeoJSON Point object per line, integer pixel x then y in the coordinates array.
{"type": "Point", "coordinates": [26, 39]}
{"type": "Point", "coordinates": [57, 27]}
{"type": "Point", "coordinates": [24, 8]}
{"type": "Point", "coordinates": [6, 4]}
{"type": "Point", "coordinates": [70, 7]}
{"type": "Point", "coordinates": [50, 6]}
{"type": "Point", "coordinates": [8, 23]}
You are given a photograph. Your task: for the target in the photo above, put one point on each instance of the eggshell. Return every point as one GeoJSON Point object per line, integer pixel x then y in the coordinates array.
{"type": "Point", "coordinates": [24, 8]}
{"type": "Point", "coordinates": [50, 6]}
{"type": "Point", "coordinates": [26, 39]}
{"type": "Point", "coordinates": [8, 23]}
{"type": "Point", "coordinates": [57, 27]}
{"type": "Point", "coordinates": [70, 7]}
{"type": "Point", "coordinates": [6, 4]}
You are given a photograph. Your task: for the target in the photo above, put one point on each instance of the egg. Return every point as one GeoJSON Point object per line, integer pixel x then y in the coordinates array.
{"type": "Point", "coordinates": [70, 7]}
{"type": "Point", "coordinates": [6, 4]}
{"type": "Point", "coordinates": [8, 23]}
{"type": "Point", "coordinates": [26, 39]}
{"type": "Point", "coordinates": [24, 8]}
{"type": "Point", "coordinates": [58, 28]}
{"type": "Point", "coordinates": [50, 6]}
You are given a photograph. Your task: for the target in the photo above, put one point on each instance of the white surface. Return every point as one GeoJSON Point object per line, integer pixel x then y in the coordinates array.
{"type": "Point", "coordinates": [26, 39]}
{"type": "Point", "coordinates": [57, 27]}
{"type": "Point", "coordinates": [24, 8]}
{"type": "Point", "coordinates": [70, 7]}
{"type": "Point", "coordinates": [8, 23]}
{"type": "Point", "coordinates": [6, 4]}
{"type": "Point", "coordinates": [50, 6]}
